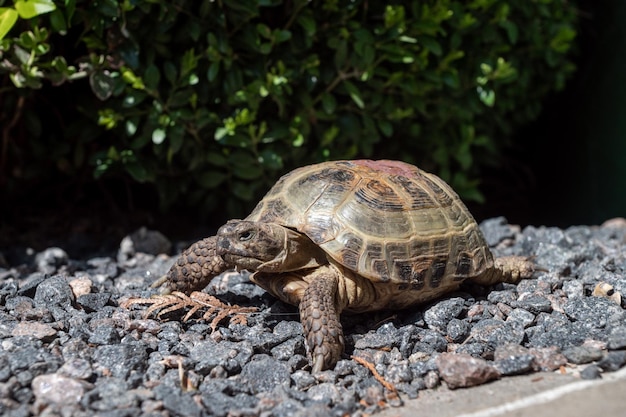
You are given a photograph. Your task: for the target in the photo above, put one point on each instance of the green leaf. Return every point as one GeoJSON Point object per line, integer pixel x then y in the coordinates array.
{"type": "Point", "coordinates": [281, 35]}
{"type": "Point", "coordinates": [308, 24]}
{"type": "Point", "coordinates": [214, 69]}
{"type": "Point", "coordinates": [211, 179]}
{"type": "Point", "coordinates": [151, 77]}
{"type": "Point", "coordinates": [431, 44]}
{"type": "Point", "coordinates": [57, 21]}
{"type": "Point", "coordinates": [355, 94]}
{"type": "Point", "coordinates": [242, 190]}
{"type": "Point", "coordinates": [158, 136]}
{"type": "Point", "coordinates": [31, 8]}
{"type": "Point", "coordinates": [488, 97]}
{"type": "Point", "coordinates": [102, 84]}
{"type": "Point", "coordinates": [385, 127]}
{"type": "Point", "coordinates": [329, 103]}
{"type": "Point", "coordinates": [8, 17]}
{"type": "Point", "coordinates": [272, 160]}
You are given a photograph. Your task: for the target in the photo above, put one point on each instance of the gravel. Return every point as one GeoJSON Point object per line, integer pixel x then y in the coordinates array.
{"type": "Point", "coordinates": [68, 348]}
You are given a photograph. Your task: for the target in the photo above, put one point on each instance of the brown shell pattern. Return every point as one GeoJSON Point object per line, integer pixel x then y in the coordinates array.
{"type": "Point", "coordinates": [386, 220]}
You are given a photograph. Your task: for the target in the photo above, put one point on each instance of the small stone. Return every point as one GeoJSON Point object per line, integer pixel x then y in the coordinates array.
{"type": "Point", "coordinates": [76, 368]}
{"type": "Point", "coordinates": [504, 297]}
{"type": "Point", "coordinates": [372, 341]}
{"type": "Point", "coordinates": [431, 380]}
{"type": "Point", "coordinates": [617, 338]}
{"type": "Point", "coordinates": [120, 360]}
{"type": "Point", "coordinates": [303, 380]}
{"type": "Point", "coordinates": [104, 335]}
{"type": "Point", "coordinates": [591, 372]}
{"type": "Point", "coordinates": [398, 371]}
{"type": "Point", "coordinates": [439, 315]}
{"type": "Point", "coordinates": [430, 341]}
{"type": "Point", "coordinates": [534, 303]}
{"type": "Point", "coordinates": [93, 302]}
{"type": "Point", "coordinates": [287, 349]}
{"type": "Point", "coordinates": [497, 230]}
{"type": "Point", "coordinates": [146, 241]}
{"type": "Point", "coordinates": [104, 267]}
{"type": "Point", "coordinates": [263, 373]}
{"type": "Point", "coordinates": [522, 317]}
{"type": "Point", "coordinates": [81, 286]}
{"type": "Point", "coordinates": [29, 285]}
{"type": "Point", "coordinates": [582, 354]}
{"type": "Point", "coordinates": [54, 291]}
{"type": "Point", "coordinates": [49, 260]}
{"type": "Point", "coordinates": [326, 393]}
{"type": "Point", "coordinates": [458, 330]}
{"type": "Point", "coordinates": [495, 332]}
{"type": "Point", "coordinates": [461, 370]}
{"type": "Point", "coordinates": [57, 389]}
{"type": "Point", "coordinates": [573, 289]}
{"type": "Point", "coordinates": [592, 312]}
{"type": "Point", "coordinates": [548, 358]}
{"type": "Point", "coordinates": [513, 360]}
{"type": "Point", "coordinates": [41, 331]}
{"type": "Point", "coordinates": [231, 356]}
{"type": "Point", "coordinates": [613, 361]}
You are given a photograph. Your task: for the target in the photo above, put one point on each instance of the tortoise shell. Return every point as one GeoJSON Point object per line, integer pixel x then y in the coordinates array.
{"type": "Point", "coordinates": [387, 221]}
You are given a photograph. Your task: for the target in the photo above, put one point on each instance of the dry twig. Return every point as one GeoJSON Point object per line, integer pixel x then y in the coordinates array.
{"type": "Point", "coordinates": [216, 310]}
{"type": "Point", "coordinates": [374, 372]}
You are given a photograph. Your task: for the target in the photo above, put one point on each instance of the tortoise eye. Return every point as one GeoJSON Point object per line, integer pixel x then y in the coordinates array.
{"type": "Point", "coordinates": [247, 235]}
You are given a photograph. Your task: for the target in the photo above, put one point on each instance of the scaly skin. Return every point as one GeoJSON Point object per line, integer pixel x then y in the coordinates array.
{"type": "Point", "coordinates": [195, 267]}
{"type": "Point", "coordinates": [509, 269]}
{"type": "Point", "coordinates": [319, 314]}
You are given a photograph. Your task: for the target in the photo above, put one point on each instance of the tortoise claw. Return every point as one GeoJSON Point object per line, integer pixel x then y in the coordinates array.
{"type": "Point", "coordinates": [318, 364]}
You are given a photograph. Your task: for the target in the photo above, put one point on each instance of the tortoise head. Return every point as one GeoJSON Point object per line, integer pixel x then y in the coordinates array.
{"type": "Point", "coordinates": [266, 247]}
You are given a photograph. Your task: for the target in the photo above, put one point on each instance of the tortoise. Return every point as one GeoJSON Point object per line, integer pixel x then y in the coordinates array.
{"type": "Point", "coordinates": [350, 236]}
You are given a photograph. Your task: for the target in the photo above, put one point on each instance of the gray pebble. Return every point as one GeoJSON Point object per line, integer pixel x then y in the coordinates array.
{"type": "Point", "coordinates": [127, 365]}
{"type": "Point", "coordinates": [495, 333]}
{"type": "Point", "coordinates": [513, 360]}
{"type": "Point", "coordinates": [57, 389]}
{"type": "Point", "coordinates": [613, 361]}
{"type": "Point", "coordinates": [534, 303]}
{"type": "Point", "coordinates": [54, 291]}
{"type": "Point", "coordinates": [582, 354]}
{"type": "Point", "coordinates": [438, 315]}
{"type": "Point", "coordinates": [457, 330]}
{"type": "Point", "coordinates": [591, 372]}
{"type": "Point", "coordinates": [177, 402]}
{"type": "Point", "coordinates": [617, 338]}
{"type": "Point", "coordinates": [49, 260]}
{"type": "Point", "coordinates": [93, 301]}
{"type": "Point", "coordinates": [120, 360]}
{"type": "Point", "coordinates": [263, 373]}
{"type": "Point", "coordinates": [521, 317]}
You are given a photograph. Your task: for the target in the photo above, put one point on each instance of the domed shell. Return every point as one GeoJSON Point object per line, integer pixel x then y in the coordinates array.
{"type": "Point", "coordinates": [386, 220]}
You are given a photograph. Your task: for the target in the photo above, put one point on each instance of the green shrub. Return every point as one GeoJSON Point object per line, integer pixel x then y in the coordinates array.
{"type": "Point", "coordinates": [210, 101]}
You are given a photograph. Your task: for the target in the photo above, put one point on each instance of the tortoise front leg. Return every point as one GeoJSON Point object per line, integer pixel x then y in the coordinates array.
{"type": "Point", "coordinates": [319, 314]}
{"type": "Point", "coordinates": [195, 268]}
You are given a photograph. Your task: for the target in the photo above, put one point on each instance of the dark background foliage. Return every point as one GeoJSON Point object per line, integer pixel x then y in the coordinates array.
{"type": "Point", "coordinates": [185, 112]}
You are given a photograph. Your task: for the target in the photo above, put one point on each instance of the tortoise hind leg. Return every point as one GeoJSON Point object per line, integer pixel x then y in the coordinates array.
{"type": "Point", "coordinates": [319, 313]}
{"type": "Point", "coordinates": [509, 269]}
